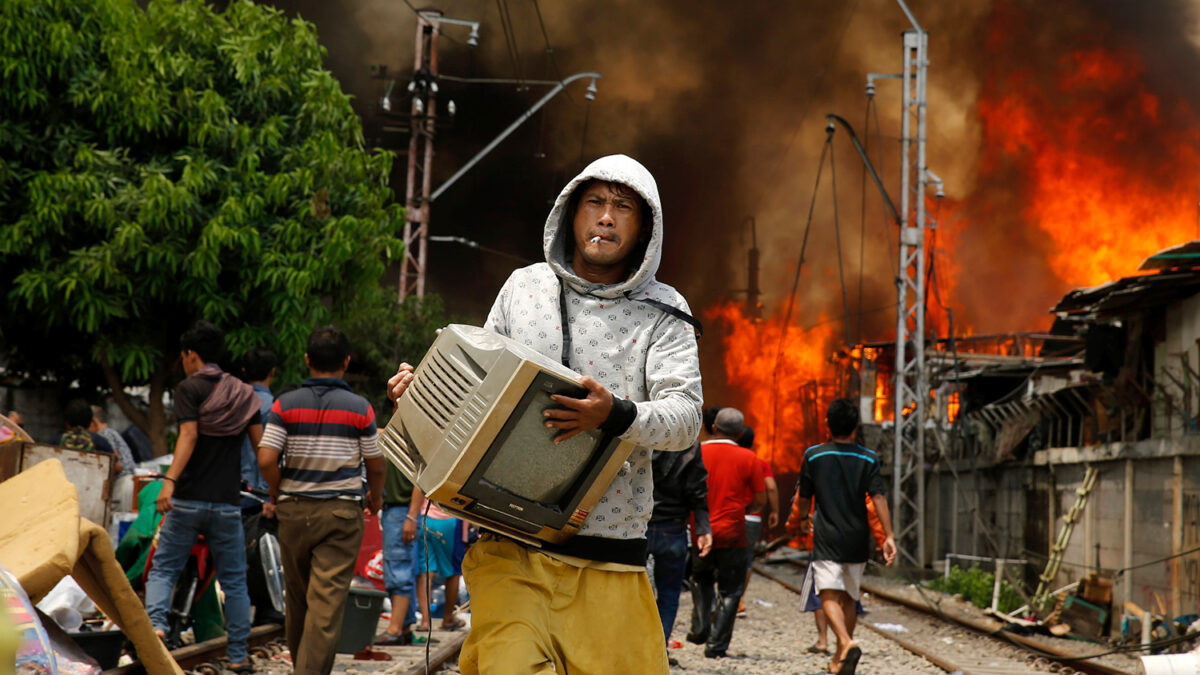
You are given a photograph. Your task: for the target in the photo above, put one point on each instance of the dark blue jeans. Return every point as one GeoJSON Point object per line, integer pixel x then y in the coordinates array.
{"type": "Point", "coordinates": [221, 525]}
{"type": "Point", "coordinates": [398, 557]}
{"type": "Point", "coordinates": [667, 543]}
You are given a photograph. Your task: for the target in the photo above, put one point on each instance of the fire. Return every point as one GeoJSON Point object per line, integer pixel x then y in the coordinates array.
{"type": "Point", "coordinates": [1110, 166]}
{"type": "Point", "coordinates": [883, 402]}
{"type": "Point", "coordinates": [953, 405]}
{"type": "Point", "coordinates": [785, 402]}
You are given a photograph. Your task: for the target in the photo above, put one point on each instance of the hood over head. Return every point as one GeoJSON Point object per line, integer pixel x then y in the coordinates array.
{"type": "Point", "coordinates": [558, 236]}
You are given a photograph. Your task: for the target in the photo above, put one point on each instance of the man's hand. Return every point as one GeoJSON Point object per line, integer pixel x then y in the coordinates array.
{"type": "Point", "coordinates": [409, 533]}
{"type": "Point", "coordinates": [374, 502]}
{"type": "Point", "coordinates": [581, 414]}
{"type": "Point", "coordinates": [889, 550]}
{"type": "Point", "coordinates": [164, 496]}
{"type": "Point", "coordinates": [399, 382]}
{"type": "Point", "coordinates": [773, 520]}
{"type": "Point", "coordinates": [269, 510]}
{"type": "Point", "coordinates": [704, 542]}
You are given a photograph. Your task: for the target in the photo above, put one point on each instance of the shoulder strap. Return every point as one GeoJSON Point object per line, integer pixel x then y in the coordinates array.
{"type": "Point", "coordinates": [673, 311]}
{"type": "Point", "coordinates": [565, 329]}
{"type": "Point", "coordinates": [661, 306]}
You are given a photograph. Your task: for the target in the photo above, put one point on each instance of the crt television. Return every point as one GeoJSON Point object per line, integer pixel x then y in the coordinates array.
{"type": "Point", "coordinates": [469, 432]}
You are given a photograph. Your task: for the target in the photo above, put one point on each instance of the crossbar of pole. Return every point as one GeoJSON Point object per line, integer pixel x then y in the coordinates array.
{"type": "Point", "coordinates": [497, 80]}
{"type": "Point", "coordinates": [511, 128]}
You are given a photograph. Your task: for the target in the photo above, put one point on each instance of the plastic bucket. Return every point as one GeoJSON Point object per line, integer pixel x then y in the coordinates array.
{"type": "Point", "coordinates": [363, 606]}
{"type": "Point", "coordinates": [102, 645]}
{"type": "Point", "coordinates": [1171, 664]}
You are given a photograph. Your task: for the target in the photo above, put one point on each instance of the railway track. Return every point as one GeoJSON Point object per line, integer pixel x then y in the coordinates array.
{"type": "Point", "coordinates": [950, 641]}
{"type": "Point", "coordinates": [205, 657]}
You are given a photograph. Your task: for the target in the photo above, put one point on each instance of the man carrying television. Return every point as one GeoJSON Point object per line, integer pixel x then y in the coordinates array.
{"type": "Point", "coordinates": [837, 474]}
{"type": "Point", "coordinates": [325, 434]}
{"type": "Point", "coordinates": [587, 606]}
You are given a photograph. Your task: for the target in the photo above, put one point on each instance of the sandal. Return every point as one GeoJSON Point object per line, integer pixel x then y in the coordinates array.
{"type": "Point", "coordinates": [814, 649]}
{"type": "Point", "coordinates": [386, 639]}
{"type": "Point", "coordinates": [458, 623]}
{"type": "Point", "coordinates": [850, 663]}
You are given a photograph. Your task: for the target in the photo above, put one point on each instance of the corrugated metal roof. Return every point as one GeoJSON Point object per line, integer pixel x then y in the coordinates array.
{"type": "Point", "coordinates": [1129, 295]}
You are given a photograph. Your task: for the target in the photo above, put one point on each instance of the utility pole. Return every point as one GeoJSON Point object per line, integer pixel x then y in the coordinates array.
{"type": "Point", "coordinates": [423, 114]}
{"type": "Point", "coordinates": [753, 306]}
{"type": "Point", "coordinates": [419, 192]}
{"type": "Point", "coordinates": [911, 385]}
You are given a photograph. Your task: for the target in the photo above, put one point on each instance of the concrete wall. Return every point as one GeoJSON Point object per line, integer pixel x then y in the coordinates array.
{"type": "Point", "coordinates": [1016, 511]}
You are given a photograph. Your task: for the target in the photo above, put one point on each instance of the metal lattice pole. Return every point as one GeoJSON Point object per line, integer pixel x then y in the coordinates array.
{"type": "Point", "coordinates": [420, 155]}
{"type": "Point", "coordinates": [911, 386]}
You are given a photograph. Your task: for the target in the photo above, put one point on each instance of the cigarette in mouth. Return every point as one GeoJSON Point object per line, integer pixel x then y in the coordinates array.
{"type": "Point", "coordinates": [594, 239]}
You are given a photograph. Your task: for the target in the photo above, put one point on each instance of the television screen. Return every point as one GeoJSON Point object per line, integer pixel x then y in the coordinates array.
{"type": "Point", "coordinates": [548, 479]}
{"type": "Point", "coordinates": [524, 462]}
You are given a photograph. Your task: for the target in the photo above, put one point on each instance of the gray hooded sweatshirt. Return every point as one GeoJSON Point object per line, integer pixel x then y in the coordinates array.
{"type": "Point", "coordinates": [640, 353]}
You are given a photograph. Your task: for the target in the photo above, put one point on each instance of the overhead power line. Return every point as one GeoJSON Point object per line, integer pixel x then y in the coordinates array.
{"type": "Point", "coordinates": [550, 49]}
{"type": "Point", "coordinates": [510, 37]}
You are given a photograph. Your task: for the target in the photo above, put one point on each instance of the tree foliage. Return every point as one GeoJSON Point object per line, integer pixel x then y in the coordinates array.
{"type": "Point", "coordinates": [384, 334]}
{"type": "Point", "coordinates": [171, 163]}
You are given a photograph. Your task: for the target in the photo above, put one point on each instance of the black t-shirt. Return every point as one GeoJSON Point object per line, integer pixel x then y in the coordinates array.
{"type": "Point", "coordinates": [214, 472]}
{"type": "Point", "coordinates": [839, 476]}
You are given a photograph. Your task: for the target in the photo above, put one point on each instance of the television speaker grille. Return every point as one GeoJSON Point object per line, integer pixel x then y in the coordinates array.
{"type": "Point", "coordinates": [442, 388]}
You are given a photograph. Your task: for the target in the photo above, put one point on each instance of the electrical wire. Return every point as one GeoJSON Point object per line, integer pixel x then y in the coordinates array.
{"type": "Point", "coordinates": [787, 317]}
{"type": "Point", "coordinates": [837, 232]}
{"type": "Point", "coordinates": [418, 13]}
{"type": "Point", "coordinates": [811, 97]}
{"type": "Point", "coordinates": [550, 50]}
{"type": "Point", "coordinates": [428, 581]}
{"type": "Point", "coordinates": [587, 113]}
{"type": "Point", "coordinates": [862, 215]}
{"type": "Point", "coordinates": [887, 224]}
{"type": "Point", "coordinates": [510, 38]}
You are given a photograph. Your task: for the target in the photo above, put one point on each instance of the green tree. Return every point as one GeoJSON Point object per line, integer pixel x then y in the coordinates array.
{"type": "Point", "coordinates": [171, 163]}
{"type": "Point", "coordinates": [384, 334]}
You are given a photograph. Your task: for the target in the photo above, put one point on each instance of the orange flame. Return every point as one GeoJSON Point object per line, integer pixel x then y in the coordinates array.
{"type": "Point", "coordinates": [784, 401]}
{"type": "Point", "coordinates": [1111, 168]}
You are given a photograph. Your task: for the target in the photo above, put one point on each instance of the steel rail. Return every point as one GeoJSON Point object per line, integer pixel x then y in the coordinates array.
{"type": "Point", "coordinates": [1036, 648]}
{"type": "Point", "coordinates": [193, 655]}
{"type": "Point", "coordinates": [938, 661]}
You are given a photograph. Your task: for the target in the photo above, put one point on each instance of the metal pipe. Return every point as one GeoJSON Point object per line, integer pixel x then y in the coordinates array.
{"type": "Point", "coordinates": [511, 128]}
{"type": "Point", "coordinates": [887, 199]}
{"type": "Point", "coordinates": [911, 19]}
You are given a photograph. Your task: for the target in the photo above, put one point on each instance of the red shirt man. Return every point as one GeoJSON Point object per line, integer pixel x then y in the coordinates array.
{"type": "Point", "coordinates": [735, 486]}
{"type": "Point", "coordinates": [735, 477]}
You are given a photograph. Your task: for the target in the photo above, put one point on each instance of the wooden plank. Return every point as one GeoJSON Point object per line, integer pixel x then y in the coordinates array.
{"type": "Point", "coordinates": [1127, 526]}
{"type": "Point", "coordinates": [1176, 532]}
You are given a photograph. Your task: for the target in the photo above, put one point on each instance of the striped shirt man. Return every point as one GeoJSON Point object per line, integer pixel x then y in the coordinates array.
{"type": "Point", "coordinates": [324, 431]}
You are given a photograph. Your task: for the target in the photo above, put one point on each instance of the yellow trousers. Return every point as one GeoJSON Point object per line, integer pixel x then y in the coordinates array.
{"type": "Point", "coordinates": [532, 614]}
